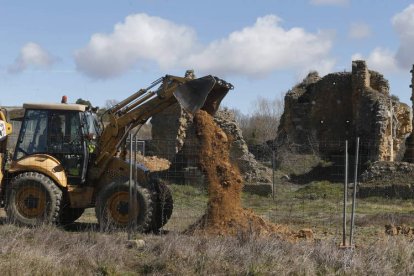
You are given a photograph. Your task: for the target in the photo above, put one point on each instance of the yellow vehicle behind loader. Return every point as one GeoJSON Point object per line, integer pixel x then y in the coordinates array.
{"type": "Point", "coordinates": [65, 160]}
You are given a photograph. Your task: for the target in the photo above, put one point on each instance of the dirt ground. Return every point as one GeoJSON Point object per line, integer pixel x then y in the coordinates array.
{"type": "Point", "coordinates": [225, 214]}
{"type": "Point", "coordinates": [153, 163]}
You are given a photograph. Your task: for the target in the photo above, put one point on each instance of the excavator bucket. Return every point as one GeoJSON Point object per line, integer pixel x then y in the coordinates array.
{"type": "Point", "coordinates": [203, 93]}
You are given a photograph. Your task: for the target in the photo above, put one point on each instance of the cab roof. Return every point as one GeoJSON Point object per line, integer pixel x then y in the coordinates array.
{"type": "Point", "coordinates": [55, 106]}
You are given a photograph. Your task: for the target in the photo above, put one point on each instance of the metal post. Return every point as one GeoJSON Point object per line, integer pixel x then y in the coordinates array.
{"type": "Point", "coordinates": [273, 175]}
{"type": "Point", "coordinates": [143, 148]}
{"type": "Point", "coordinates": [130, 188]}
{"type": "Point", "coordinates": [354, 192]}
{"type": "Point", "coordinates": [345, 196]}
{"type": "Point", "coordinates": [412, 98]}
{"type": "Point", "coordinates": [134, 188]}
{"type": "Point", "coordinates": [391, 132]}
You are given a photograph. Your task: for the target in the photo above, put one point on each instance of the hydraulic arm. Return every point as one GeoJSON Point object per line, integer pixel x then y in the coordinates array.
{"type": "Point", "coordinates": [192, 94]}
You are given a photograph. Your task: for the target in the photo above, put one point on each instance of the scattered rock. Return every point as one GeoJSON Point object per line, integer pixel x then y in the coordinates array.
{"type": "Point", "coordinates": [394, 230]}
{"type": "Point", "coordinates": [388, 179]}
{"type": "Point", "coordinates": [135, 244]}
{"type": "Point", "coordinates": [305, 233]}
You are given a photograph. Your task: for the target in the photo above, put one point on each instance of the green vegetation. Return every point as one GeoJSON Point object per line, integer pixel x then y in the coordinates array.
{"type": "Point", "coordinates": [323, 189]}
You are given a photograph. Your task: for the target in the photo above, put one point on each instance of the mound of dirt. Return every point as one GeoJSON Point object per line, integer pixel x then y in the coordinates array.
{"type": "Point", "coordinates": [225, 214]}
{"type": "Point", "coordinates": [153, 163]}
{"type": "Point", "coordinates": [395, 230]}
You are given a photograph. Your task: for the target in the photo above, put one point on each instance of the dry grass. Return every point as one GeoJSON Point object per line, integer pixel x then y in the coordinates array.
{"type": "Point", "coordinates": [82, 250]}
{"type": "Point", "coordinates": [48, 250]}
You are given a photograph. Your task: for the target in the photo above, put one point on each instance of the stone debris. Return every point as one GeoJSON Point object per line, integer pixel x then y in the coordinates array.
{"type": "Point", "coordinates": [135, 244]}
{"type": "Point", "coordinates": [251, 170]}
{"type": "Point", "coordinates": [388, 179]}
{"type": "Point", "coordinates": [395, 230]}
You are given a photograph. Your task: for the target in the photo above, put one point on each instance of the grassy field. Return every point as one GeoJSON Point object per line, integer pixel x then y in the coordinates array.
{"type": "Point", "coordinates": [81, 249]}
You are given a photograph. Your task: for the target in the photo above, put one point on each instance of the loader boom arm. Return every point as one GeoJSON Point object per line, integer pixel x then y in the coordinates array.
{"type": "Point", "coordinates": [192, 94]}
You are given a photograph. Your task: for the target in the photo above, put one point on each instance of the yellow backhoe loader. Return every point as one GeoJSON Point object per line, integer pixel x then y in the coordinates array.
{"type": "Point", "coordinates": [65, 160]}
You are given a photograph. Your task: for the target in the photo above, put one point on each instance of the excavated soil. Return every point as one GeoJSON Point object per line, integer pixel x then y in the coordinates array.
{"type": "Point", "coordinates": [153, 163]}
{"type": "Point", "coordinates": [397, 230]}
{"type": "Point", "coordinates": [225, 214]}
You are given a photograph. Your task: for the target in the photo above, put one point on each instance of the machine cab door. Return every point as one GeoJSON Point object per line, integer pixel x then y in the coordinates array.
{"type": "Point", "coordinates": [57, 133]}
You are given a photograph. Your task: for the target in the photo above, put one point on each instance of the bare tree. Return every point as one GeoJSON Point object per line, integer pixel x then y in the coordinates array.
{"type": "Point", "coordinates": [262, 123]}
{"type": "Point", "coordinates": [110, 103]}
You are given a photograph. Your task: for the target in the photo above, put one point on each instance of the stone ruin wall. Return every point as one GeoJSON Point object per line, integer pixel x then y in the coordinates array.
{"type": "Point", "coordinates": [343, 106]}
{"type": "Point", "coordinates": [174, 139]}
{"type": "Point", "coordinates": [319, 113]}
{"type": "Point", "coordinates": [409, 153]}
{"type": "Point", "coordinates": [169, 131]}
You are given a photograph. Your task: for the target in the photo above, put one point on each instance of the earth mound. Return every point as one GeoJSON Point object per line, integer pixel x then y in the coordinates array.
{"type": "Point", "coordinates": [225, 214]}
{"type": "Point", "coordinates": [153, 163]}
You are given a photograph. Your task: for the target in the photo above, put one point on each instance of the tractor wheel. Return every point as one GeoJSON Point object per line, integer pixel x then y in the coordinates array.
{"type": "Point", "coordinates": [33, 199]}
{"type": "Point", "coordinates": [112, 207]}
{"type": "Point", "coordinates": [163, 205]}
{"type": "Point", "coordinates": [69, 215]}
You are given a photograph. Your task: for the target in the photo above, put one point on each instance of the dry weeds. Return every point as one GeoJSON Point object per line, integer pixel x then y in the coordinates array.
{"type": "Point", "coordinates": [48, 250]}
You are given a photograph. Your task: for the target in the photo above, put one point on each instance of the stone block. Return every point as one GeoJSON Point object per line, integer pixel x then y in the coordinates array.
{"type": "Point", "coordinates": [262, 189]}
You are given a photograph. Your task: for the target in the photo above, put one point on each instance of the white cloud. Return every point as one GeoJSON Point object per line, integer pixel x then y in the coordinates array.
{"type": "Point", "coordinates": [385, 60]}
{"type": "Point", "coordinates": [31, 55]}
{"type": "Point", "coordinates": [262, 48]}
{"type": "Point", "coordinates": [253, 51]}
{"type": "Point", "coordinates": [359, 30]}
{"type": "Point", "coordinates": [329, 2]}
{"type": "Point", "coordinates": [139, 39]}
{"type": "Point", "coordinates": [357, 56]}
{"type": "Point", "coordinates": [403, 23]}
{"type": "Point", "coordinates": [381, 60]}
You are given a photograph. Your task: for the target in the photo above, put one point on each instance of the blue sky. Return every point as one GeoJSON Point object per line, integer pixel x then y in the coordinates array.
{"type": "Point", "coordinates": [103, 50]}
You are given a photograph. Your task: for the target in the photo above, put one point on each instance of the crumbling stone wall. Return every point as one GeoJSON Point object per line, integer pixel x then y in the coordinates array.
{"type": "Point", "coordinates": [320, 112]}
{"type": "Point", "coordinates": [252, 171]}
{"type": "Point", "coordinates": [169, 131]}
{"type": "Point", "coordinates": [409, 153]}
{"type": "Point", "coordinates": [174, 139]}
{"type": "Point", "coordinates": [388, 179]}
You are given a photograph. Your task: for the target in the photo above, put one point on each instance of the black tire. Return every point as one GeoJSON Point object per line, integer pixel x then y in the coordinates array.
{"type": "Point", "coordinates": [112, 207]}
{"type": "Point", "coordinates": [33, 199]}
{"type": "Point", "coordinates": [70, 215]}
{"type": "Point", "coordinates": [163, 205]}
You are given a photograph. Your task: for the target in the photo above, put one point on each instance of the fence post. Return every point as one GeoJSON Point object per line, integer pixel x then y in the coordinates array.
{"type": "Point", "coordinates": [354, 192]}
{"type": "Point", "coordinates": [273, 175]}
{"type": "Point", "coordinates": [130, 188]}
{"type": "Point", "coordinates": [345, 196]}
{"type": "Point", "coordinates": [135, 184]}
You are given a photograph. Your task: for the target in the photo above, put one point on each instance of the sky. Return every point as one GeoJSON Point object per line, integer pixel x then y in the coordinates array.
{"type": "Point", "coordinates": [106, 50]}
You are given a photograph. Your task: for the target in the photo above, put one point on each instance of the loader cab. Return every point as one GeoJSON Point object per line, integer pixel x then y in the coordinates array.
{"type": "Point", "coordinates": [57, 130]}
